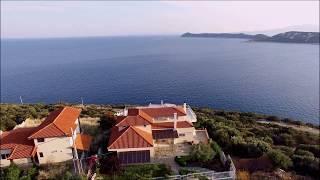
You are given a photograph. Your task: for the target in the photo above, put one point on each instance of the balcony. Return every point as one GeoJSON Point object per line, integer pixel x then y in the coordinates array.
{"type": "Point", "coordinates": [191, 115]}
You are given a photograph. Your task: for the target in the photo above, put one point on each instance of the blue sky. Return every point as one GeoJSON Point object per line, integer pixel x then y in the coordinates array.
{"type": "Point", "coordinates": [23, 19]}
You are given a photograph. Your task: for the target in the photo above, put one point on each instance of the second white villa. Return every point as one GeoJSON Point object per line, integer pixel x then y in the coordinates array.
{"type": "Point", "coordinates": [55, 140]}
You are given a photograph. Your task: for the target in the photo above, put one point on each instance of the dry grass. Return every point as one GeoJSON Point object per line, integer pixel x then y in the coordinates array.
{"type": "Point", "coordinates": [89, 125]}
{"type": "Point", "coordinates": [54, 170]}
{"type": "Point", "coordinates": [296, 127]}
{"type": "Point", "coordinates": [30, 123]}
{"type": "Point", "coordinates": [243, 175]}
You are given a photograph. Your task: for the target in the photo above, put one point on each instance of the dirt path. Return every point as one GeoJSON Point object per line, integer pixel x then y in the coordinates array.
{"type": "Point", "coordinates": [296, 127]}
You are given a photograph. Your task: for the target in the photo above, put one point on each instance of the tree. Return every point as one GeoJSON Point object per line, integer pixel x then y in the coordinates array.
{"type": "Point", "coordinates": [109, 164]}
{"type": "Point", "coordinates": [284, 139]}
{"type": "Point", "coordinates": [306, 165]}
{"type": "Point", "coordinates": [279, 159]}
{"type": "Point", "coordinates": [202, 152]}
{"type": "Point", "coordinates": [107, 121]}
{"type": "Point", "coordinates": [304, 153]}
{"type": "Point", "coordinates": [12, 172]}
{"type": "Point", "coordinates": [215, 146]}
{"type": "Point", "coordinates": [315, 149]}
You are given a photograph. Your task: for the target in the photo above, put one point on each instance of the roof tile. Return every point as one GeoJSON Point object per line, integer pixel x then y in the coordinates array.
{"type": "Point", "coordinates": [130, 137]}
{"type": "Point", "coordinates": [83, 142]}
{"type": "Point", "coordinates": [17, 141]}
{"type": "Point", "coordinates": [58, 123]}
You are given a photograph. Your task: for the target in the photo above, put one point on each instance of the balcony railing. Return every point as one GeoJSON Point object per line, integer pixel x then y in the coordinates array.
{"type": "Point", "coordinates": [191, 114]}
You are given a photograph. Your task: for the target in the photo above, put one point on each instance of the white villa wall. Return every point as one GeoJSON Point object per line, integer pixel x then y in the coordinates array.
{"type": "Point", "coordinates": [4, 162]}
{"type": "Point", "coordinates": [189, 135]}
{"type": "Point", "coordinates": [170, 119]}
{"type": "Point", "coordinates": [54, 149]}
{"type": "Point", "coordinates": [23, 161]}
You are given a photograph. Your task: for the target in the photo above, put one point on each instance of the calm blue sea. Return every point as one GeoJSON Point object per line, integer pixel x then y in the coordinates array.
{"type": "Point", "coordinates": [232, 74]}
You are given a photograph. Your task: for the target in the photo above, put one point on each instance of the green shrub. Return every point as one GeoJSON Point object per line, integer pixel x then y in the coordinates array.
{"type": "Point", "coordinates": [12, 114]}
{"type": "Point", "coordinates": [182, 160]}
{"type": "Point", "coordinates": [215, 146]}
{"type": "Point", "coordinates": [145, 171]}
{"type": "Point", "coordinates": [284, 139]}
{"type": "Point", "coordinates": [30, 173]}
{"type": "Point", "coordinates": [304, 153]}
{"type": "Point", "coordinates": [221, 136]}
{"type": "Point", "coordinates": [202, 152]}
{"type": "Point", "coordinates": [184, 171]}
{"type": "Point", "coordinates": [267, 139]}
{"type": "Point", "coordinates": [315, 149]}
{"type": "Point", "coordinates": [286, 150]}
{"type": "Point", "coordinates": [249, 147]}
{"type": "Point", "coordinates": [306, 165]}
{"type": "Point", "coordinates": [12, 172]}
{"type": "Point", "coordinates": [279, 159]}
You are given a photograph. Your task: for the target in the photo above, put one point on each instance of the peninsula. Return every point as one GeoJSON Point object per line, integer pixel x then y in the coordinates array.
{"type": "Point", "coordinates": [286, 37]}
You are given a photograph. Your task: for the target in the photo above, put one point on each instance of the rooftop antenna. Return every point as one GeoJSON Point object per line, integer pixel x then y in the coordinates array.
{"type": "Point", "coordinates": [21, 100]}
{"type": "Point", "coordinates": [81, 101]}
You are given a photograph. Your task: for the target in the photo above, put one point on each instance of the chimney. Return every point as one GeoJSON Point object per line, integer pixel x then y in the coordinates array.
{"type": "Point", "coordinates": [125, 111]}
{"type": "Point", "coordinates": [185, 107]}
{"type": "Point", "coordinates": [175, 121]}
{"type": "Point", "coordinates": [161, 102]}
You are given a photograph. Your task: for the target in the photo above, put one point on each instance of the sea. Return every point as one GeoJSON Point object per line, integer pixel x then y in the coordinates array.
{"type": "Point", "coordinates": [279, 79]}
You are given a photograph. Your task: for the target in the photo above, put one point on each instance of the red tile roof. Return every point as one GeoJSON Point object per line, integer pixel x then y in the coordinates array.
{"type": "Point", "coordinates": [163, 111]}
{"type": "Point", "coordinates": [129, 137]}
{"type": "Point", "coordinates": [58, 123]}
{"type": "Point", "coordinates": [83, 142]}
{"type": "Point", "coordinates": [169, 125]}
{"type": "Point", "coordinates": [133, 137]}
{"type": "Point", "coordinates": [131, 121]}
{"type": "Point", "coordinates": [17, 141]}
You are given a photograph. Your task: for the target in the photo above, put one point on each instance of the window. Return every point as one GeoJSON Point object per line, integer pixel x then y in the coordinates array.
{"type": "Point", "coordinates": [182, 134]}
{"type": "Point", "coordinates": [40, 140]}
{"type": "Point", "coordinates": [40, 154]}
{"type": "Point", "coordinates": [4, 156]}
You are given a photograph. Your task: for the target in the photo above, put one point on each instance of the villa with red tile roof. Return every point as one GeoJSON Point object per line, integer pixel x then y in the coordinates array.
{"type": "Point", "coordinates": [144, 133]}
{"type": "Point", "coordinates": [52, 141]}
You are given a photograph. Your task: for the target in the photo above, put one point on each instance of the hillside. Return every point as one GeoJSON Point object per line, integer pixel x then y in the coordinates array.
{"type": "Point", "coordinates": [240, 134]}
{"type": "Point", "coordinates": [218, 35]}
{"type": "Point", "coordinates": [292, 37]}
{"type": "Point", "coordinates": [287, 37]}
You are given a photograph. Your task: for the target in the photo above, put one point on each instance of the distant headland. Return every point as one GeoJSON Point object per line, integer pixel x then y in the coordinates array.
{"type": "Point", "coordinates": [286, 37]}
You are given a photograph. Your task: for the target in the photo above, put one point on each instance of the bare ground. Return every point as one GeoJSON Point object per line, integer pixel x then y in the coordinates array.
{"type": "Point", "coordinates": [296, 127]}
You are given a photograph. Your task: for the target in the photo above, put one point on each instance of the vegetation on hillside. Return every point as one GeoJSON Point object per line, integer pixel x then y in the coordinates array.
{"type": "Point", "coordinates": [137, 172]}
{"type": "Point", "coordinates": [13, 114]}
{"type": "Point", "coordinates": [236, 133]}
{"type": "Point", "coordinates": [240, 135]}
{"type": "Point", "coordinates": [50, 171]}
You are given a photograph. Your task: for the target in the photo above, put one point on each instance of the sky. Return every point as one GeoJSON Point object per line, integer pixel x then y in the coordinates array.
{"type": "Point", "coordinates": [40, 19]}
